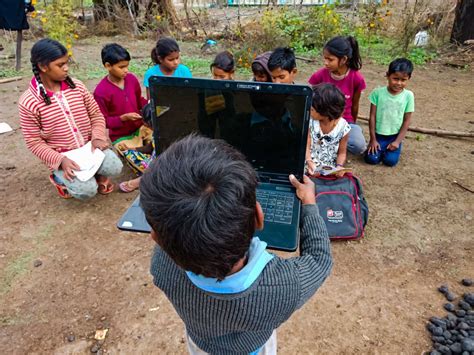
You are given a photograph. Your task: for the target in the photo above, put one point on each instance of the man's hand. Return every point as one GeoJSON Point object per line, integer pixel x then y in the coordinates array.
{"type": "Point", "coordinates": [131, 116]}
{"type": "Point", "coordinates": [305, 191]}
{"type": "Point", "coordinates": [393, 146]}
{"type": "Point", "coordinates": [68, 165]}
{"type": "Point", "coordinates": [100, 144]}
{"type": "Point", "coordinates": [374, 146]}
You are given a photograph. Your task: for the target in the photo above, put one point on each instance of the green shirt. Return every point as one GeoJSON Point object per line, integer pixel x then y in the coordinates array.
{"type": "Point", "coordinates": [391, 109]}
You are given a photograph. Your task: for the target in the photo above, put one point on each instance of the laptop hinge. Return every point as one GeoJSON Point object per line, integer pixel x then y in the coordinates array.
{"type": "Point", "coordinates": [279, 181]}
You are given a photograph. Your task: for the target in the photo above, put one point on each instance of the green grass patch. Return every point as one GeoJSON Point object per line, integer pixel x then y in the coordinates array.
{"type": "Point", "coordinates": [16, 268]}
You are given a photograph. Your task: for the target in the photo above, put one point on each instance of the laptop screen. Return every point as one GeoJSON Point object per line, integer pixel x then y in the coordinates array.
{"type": "Point", "coordinates": [266, 122]}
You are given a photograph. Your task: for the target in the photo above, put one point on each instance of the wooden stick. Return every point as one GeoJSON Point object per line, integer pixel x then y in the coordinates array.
{"type": "Point", "coordinates": [435, 132]}
{"type": "Point", "coordinates": [309, 60]}
{"type": "Point", "coordinates": [462, 186]}
{"type": "Point", "coordinates": [19, 39]}
{"type": "Point", "coordinates": [7, 80]}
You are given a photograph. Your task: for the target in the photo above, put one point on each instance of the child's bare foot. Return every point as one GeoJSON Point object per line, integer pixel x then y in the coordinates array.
{"type": "Point", "coordinates": [130, 185]}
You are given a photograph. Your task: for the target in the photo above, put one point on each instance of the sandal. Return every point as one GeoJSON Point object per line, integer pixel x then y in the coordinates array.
{"type": "Point", "coordinates": [105, 187]}
{"type": "Point", "coordinates": [125, 187]}
{"type": "Point", "coordinates": [62, 190]}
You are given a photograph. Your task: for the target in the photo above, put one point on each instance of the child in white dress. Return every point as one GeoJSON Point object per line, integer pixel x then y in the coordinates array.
{"type": "Point", "coordinates": [328, 131]}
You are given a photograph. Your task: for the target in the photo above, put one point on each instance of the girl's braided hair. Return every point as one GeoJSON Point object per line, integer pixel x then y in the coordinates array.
{"type": "Point", "coordinates": [43, 52]}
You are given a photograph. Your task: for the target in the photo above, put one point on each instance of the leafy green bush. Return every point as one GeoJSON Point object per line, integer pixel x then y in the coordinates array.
{"type": "Point", "coordinates": [302, 30]}
{"type": "Point", "coordinates": [59, 23]}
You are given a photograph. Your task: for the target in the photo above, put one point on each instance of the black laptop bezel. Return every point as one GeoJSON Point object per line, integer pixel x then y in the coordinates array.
{"type": "Point", "coordinates": [243, 86]}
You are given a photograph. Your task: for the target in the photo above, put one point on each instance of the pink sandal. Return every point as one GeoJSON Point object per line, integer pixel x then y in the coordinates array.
{"type": "Point", "coordinates": [125, 187]}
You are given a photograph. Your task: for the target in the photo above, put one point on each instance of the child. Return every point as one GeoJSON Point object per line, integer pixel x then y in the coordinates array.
{"type": "Point", "coordinates": [282, 66]}
{"type": "Point", "coordinates": [165, 55]}
{"type": "Point", "coordinates": [260, 68]}
{"type": "Point", "coordinates": [328, 131]}
{"type": "Point", "coordinates": [58, 114]}
{"type": "Point", "coordinates": [199, 197]}
{"type": "Point", "coordinates": [342, 63]}
{"type": "Point", "coordinates": [119, 94]}
{"type": "Point", "coordinates": [139, 157]}
{"type": "Point", "coordinates": [223, 66]}
{"type": "Point", "coordinates": [391, 108]}
{"type": "Point", "coordinates": [216, 108]}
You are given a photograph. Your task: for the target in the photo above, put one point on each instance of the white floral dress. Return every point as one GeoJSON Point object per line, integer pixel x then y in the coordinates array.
{"type": "Point", "coordinates": [324, 147]}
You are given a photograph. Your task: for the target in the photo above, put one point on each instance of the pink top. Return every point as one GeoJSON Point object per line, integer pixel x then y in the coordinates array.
{"type": "Point", "coordinates": [70, 121]}
{"type": "Point", "coordinates": [114, 102]}
{"type": "Point", "coordinates": [352, 83]}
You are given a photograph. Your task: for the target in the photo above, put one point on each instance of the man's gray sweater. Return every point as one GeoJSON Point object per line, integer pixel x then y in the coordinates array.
{"type": "Point", "coordinates": [241, 323]}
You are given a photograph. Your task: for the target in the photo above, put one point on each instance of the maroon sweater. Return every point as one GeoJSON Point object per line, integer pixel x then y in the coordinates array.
{"type": "Point", "coordinates": [114, 102]}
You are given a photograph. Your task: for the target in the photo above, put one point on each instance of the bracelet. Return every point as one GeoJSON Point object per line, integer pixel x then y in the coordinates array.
{"type": "Point", "coordinates": [341, 165]}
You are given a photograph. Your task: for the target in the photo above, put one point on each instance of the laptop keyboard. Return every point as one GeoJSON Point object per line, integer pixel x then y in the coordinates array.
{"type": "Point", "coordinates": [277, 206]}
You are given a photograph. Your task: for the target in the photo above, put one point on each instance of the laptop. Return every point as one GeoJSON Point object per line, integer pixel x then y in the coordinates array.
{"type": "Point", "coordinates": [267, 122]}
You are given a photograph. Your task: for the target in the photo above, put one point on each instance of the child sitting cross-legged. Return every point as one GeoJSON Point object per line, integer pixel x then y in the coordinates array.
{"type": "Point", "coordinates": [391, 108]}
{"type": "Point", "coordinates": [328, 131]}
{"type": "Point", "coordinates": [199, 197]}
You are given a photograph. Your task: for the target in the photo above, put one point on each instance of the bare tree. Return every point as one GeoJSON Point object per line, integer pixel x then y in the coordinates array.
{"type": "Point", "coordinates": [463, 28]}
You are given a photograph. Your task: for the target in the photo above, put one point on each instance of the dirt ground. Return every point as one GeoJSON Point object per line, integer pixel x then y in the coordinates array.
{"type": "Point", "coordinates": [377, 300]}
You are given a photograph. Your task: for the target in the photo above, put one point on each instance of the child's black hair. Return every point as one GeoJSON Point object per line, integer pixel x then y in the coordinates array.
{"type": "Point", "coordinates": [43, 52]}
{"type": "Point", "coordinates": [147, 115]}
{"type": "Point", "coordinates": [345, 47]}
{"type": "Point", "coordinates": [224, 61]}
{"type": "Point", "coordinates": [164, 47]}
{"type": "Point", "coordinates": [283, 58]}
{"type": "Point", "coordinates": [113, 53]}
{"type": "Point", "coordinates": [258, 68]}
{"type": "Point", "coordinates": [199, 196]}
{"type": "Point", "coordinates": [328, 100]}
{"type": "Point", "coordinates": [402, 65]}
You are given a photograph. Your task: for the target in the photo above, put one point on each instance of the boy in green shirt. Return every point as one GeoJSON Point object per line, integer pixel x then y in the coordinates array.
{"type": "Point", "coordinates": [391, 108]}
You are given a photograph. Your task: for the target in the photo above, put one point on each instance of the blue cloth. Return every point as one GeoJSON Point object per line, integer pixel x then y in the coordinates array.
{"type": "Point", "coordinates": [182, 71]}
{"type": "Point", "coordinates": [258, 258]}
{"type": "Point", "coordinates": [388, 157]}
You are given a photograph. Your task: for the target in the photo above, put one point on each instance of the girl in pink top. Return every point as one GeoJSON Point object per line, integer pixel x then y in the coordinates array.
{"type": "Point", "coordinates": [342, 63]}
{"type": "Point", "coordinates": [58, 114]}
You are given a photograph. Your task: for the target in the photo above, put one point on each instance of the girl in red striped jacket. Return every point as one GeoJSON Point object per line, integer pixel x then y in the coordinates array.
{"type": "Point", "coordinates": [58, 114]}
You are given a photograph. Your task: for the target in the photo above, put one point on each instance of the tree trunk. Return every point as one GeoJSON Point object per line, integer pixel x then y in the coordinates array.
{"type": "Point", "coordinates": [463, 28]}
{"type": "Point", "coordinates": [104, 9]}
{"type": "Point", "coordinates": [167, 10]}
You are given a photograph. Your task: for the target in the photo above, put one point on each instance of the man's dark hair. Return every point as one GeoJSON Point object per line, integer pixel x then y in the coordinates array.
{"type": "Point", "coordinates": [199, 198]}
{"type": "Point", "coordinates": [328, 100]}
{"type": "Point", "coordinates": [113, 53]}
{"type": "Point", "coordinates": [283, 58]}
{"type": "Point", "coordinates": [401, 65]}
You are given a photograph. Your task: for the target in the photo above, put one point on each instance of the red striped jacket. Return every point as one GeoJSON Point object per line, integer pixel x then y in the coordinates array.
{"type": "Point", "coordinates": [71, 120]}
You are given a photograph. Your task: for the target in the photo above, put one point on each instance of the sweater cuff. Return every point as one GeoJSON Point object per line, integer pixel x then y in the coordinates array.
{"type": "Point", "coordinates": [309, 210]}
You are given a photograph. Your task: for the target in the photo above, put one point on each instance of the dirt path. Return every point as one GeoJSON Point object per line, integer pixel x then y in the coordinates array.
{"type": "Point", "coordinates": [381, 291]}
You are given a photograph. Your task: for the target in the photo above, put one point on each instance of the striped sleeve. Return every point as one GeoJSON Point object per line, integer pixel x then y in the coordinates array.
{"type": "Point", "coordinates": [96, 117]}
{"type": "Point", "coordinates": [31, 128]}
{"type": "Point", "coordinates": [315, 263]}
